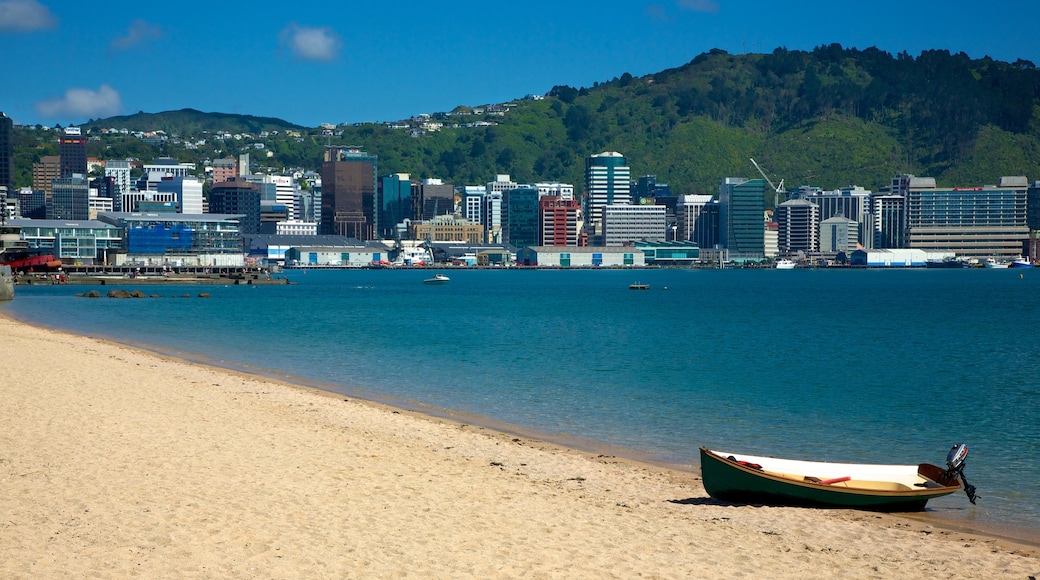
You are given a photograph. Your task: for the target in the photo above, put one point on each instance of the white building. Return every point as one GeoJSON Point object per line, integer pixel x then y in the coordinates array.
{"type": "Point", "coordinates": [625, 223]}
{"type": "Point", "coordinates": [131, 200]}
{"type": "Point", "coordinates": [838, 234]}
{"type": "Point", "coordinates": [119, 171]}
{"type": "Point", "coordinates": [561, 190]}
{"type": "Point", "coordinates": [608, 181]}
{"type": "Point", "coordinates": [187, 193]}
{"type": "Point", "coordinates": [285, 193]}
{"type": "Point", "coordinates": [581, 257]}
{"type": "Point", "coordinates": [161, 169]}
{"type": "Point", "coordinates": [296, 228]}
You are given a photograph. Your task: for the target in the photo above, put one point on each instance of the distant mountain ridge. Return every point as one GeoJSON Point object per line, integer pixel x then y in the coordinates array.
{"type": "Point", "coordinates": [192, 122]}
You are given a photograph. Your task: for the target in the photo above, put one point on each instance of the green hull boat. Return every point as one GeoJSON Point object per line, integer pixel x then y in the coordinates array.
{"type": "Point", "coordinates": [750, 479]}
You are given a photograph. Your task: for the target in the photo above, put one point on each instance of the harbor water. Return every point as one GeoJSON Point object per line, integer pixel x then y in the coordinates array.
{"type": "Point", "coordinates": [880, 366]}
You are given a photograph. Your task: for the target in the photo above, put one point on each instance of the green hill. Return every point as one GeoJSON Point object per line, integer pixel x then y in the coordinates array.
{"type": "Point", "coordinates": [191, 122]}
{"type": "Point", "coordinates": [830, 117]}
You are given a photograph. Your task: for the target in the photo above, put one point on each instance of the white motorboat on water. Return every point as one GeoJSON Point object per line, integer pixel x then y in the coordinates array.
{"type": "Point", "coordinates": [785, 264]}
{"type": "Point", "coordinates": [437, 279]}
{"type": "Point", "coordinates": [992, 263]}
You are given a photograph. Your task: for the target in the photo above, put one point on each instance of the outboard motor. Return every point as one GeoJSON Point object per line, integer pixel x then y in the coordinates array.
{"type": "Point", "coordinates": [955, 468]}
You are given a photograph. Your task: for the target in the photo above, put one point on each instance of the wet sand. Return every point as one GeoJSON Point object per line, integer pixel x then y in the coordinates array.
{"type": "Point", "coordinates": [118, 462]}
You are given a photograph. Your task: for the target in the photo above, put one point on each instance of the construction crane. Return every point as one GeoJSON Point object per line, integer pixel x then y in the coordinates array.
{"type": "Point", "coordinates": [778, 190]}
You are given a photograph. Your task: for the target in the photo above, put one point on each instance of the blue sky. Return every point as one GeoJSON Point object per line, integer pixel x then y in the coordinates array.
{"type": "Point", "coordinates": [64, 61]}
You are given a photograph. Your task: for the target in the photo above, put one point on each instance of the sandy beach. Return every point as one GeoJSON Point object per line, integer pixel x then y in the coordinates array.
{"type": "Point", "coordinates": [116, 462]}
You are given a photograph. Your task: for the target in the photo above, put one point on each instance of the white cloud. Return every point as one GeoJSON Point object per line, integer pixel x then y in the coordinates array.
{"type": "Point", "coordinates": [80, 104]}
{"type": "Point", "coordinates": [699, 5]}
{"type": "Point", "coordinates": [307, 43]}
{"type": "Point", "coordinates": [24, 16]}
{"type": "Point", "coordinates": [139, 31]}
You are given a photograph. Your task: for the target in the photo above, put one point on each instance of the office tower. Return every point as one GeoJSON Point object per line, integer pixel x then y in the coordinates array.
{"type": "Point", "coordinates": [285, 192]}
{"type": "Point", "coordinates": [798, 226]}
{"type": "Point", "coordinates": [6, 155]}
{"type": "Point", "coordinates": [187, 193]}
{"type": "Point", "coordinates": [741, 225]}
{"type": "Point", "coordinates": [689, 216]}
{"type": "Point", "coordinates": [838, 234]}
{"type": "Point", "coordinates": [73, 152]}
{"type": "Point", "coordinates": [625, 223]}
{"type": "Point", "coordinates": [520, 217]}
{"type": "Point", "coordinates": [45, 171]}
{"type": "Point", "coordinates": [395, 204]}
{"type": "Point", "coordinates": [119, 171]}
{"type": "Point", "coordinates": [437, 198]}
{"type": "Point", "coordinates": [973, 221]}
{"type": "Point", "coordinates": [607, 182]}
{"type": "Point", "coordinates": [70, 198]}
{"type": "Point", "coordinates": [237, 197]}
{"type": "Point", "coordinates": [160, 169]}
{"type": "Point", "coordinates": [348, 178]}
{"type": "Point", "coordinates": [558, 217]}
{"type": "Point", "coordinates": [224, 169]}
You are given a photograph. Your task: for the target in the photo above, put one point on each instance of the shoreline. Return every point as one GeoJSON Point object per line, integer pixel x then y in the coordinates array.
{"type": "Point", "coordinates": [529, 485]}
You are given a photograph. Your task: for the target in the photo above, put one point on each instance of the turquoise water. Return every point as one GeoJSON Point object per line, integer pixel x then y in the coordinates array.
{"type": "Point", "coordinates": [838, 365]}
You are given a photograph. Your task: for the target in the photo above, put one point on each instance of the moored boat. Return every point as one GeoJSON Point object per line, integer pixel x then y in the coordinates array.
{"type": "Point", "coordinates": [741, 478]}
{"type": "Point", "coordinates": [638, 286]}
{"type": "Point", "coordinates": [945, 263]}
{"type": "Point", "coordinates": [992, 263]}
{"type": "Point", "coordinates": [1021, 263]}
{"type": "Point", "coordinates": [437, 279]}
{"type": "Point", "coordinates": [785, 264]}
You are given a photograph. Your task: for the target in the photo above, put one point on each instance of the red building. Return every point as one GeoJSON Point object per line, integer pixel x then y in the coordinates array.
{"type": "Point", "coordinates": [558, 218]}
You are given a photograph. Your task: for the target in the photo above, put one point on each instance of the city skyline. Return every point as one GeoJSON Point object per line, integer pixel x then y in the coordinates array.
{"type": "Point", "coordinates": [340, 63]}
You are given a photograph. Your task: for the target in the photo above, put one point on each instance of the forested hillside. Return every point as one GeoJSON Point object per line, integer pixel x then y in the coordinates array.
{"type": "Point", "coordinates": [830, 117]}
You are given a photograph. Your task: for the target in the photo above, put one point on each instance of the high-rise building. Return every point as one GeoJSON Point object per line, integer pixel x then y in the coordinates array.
{"type": "Point", "coordinates": [224, 169]}
{"type": "Point", "coordinates": [119, 171]}
{"type": "Point", "coordinates": [395, 204]}
{"type": "Point", "coordinates": [975, 221]}
{"type": "Point", "coordinates": [33, 203]}
{"type": "Point", "coordinates": [45, 171]}
{"type": "Point", "coordinates": [437, 198]}
{"type": "Point", "coordinates": [187, 191]}
{"type": "Point", "coordinates": [889, 220]}
{"type": "Point", "coordinates": [838, 234]}
{"type": "Point", "coordinates": [237, 197]}
{"type": "Point", "coordinates": [6, 155]}
{"type": "Point", "coordinates": [741, 223]}
{"type": "Point", "coordinates": [73, 152]}
{"type": "Point", "coordinates": [520, 217]}
{"type": "Point", "coordinates": [160, 169]}
{"type": "Point", "coordinates": [690, 217]}
{"type": "Point", "coordinates": [848, 202]}
{"type": "Point", "coordinates": [348, 178]}
{"type": "Point", "coordinates": [798, 226]}
{"type": "Point", "coordinates": [70, 198]}
{"type": "Point", "coordinates": [607, 182]}
{"type": "Point", "coordinates": [625, 223]}
{"type": "Point", "coordinates": [558, 217]}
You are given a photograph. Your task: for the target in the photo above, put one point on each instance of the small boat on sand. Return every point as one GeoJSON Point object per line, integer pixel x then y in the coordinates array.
{"type": "Point", "coordinates": [437, 279]}
{"type": "Point", "coordinates": [741, 478]}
